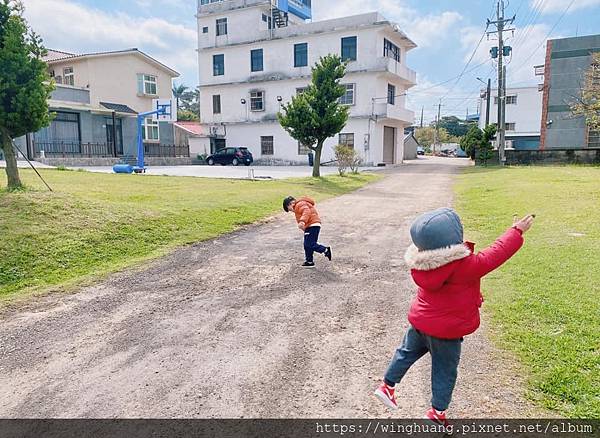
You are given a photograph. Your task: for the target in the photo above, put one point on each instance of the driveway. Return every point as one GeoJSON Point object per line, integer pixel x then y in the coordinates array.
{"type": "Point", "coordinates": [230, 172]}
{"type": "Point", "coordinates": [235, 327]}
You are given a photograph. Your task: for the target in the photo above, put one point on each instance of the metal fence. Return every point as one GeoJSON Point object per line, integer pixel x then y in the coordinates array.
{"type": "Point", "coordinates": [73, 149]}
{"type": "Point", "coordinates": [166, 150]}
{"type": "Point", "coordinates": [104, 150]}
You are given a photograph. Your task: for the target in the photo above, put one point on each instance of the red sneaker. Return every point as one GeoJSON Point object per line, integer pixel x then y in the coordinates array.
{"type": "Point", "coordinates": [385, 393]}
{"type": "Point", "coordinates": [437, 417]}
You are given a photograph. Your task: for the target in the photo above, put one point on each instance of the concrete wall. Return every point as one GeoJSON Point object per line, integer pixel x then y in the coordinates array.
{"type": "Point", "coordinates": [553, 156]}
{"type": "Point", "coordinates": [569, 58]}
{"type": "Point", "coordinates": [410, 148]}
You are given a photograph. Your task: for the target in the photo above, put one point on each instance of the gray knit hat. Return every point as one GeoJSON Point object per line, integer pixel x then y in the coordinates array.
{"type": "Point", "coordinates": [437, 229]}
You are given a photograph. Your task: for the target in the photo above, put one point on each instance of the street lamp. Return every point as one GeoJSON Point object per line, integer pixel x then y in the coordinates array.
{"type": "Point", "coordinates": [488, 96]}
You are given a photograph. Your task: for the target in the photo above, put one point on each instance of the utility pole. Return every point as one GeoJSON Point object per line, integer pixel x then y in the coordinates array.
{"type": "Point", "coordinates": [501, 52]}
{"type": "Point", "coordinates": [422, 109]}
{"type": "Point", "coordinates": [488, 103]}
{"type": "Point", "coordinates": [437, 126]}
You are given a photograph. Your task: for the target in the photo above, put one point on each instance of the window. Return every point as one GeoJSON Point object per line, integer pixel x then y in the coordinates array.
{"type": "Point", "coordinates": [303, 150]}
{"type": "Point", "coordinates": [268, 20]}
{"type": "Point", "coordinates": [217, 104]}
{"type": "Point", "coordinates": [64, 128]}
{"type": "Point", "coordinates": [266, 145]}
{"type": "Point", "coordinates": [150, 131]}
{"type": "Point", "coordinates": [218, 65]}
{"type": "Point", "coordinates": [147, 84]}
{"type": "Point", "coordinates": [391, 98]}
{"type": "Point", "coordinates": [301, 90]}
{"type": "Point", "coordinates": [205, 29]}
{"type": "Point", "coordinates": [348, 97]}
{"type": "Point", "coordinates": [390, 50]}
{"type": "Point", "coordinates": [256, 60]}
{"type": "Point", "coordinates": [511, 100]}
{"type": "Point", "coordinates": [510, 126]}
{"type": "Point", "coordinates": [68, 76]}
{"type": "Point", "coordinates": [257, 101]}
{"type": "Point", "coordinates": [347, 140]}
{"type": "Point", "coordinates": [222, 26]}
{"type": "Point", "coordinates": [593, 139]}
{"type": "Point", "coordinates": [349, 49]}
{"type": "Point", "coordinates": [300, 55]}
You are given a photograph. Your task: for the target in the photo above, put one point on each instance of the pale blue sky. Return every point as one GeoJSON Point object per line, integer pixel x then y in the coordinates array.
{"type": "Point", "coordinates": [447, 31]}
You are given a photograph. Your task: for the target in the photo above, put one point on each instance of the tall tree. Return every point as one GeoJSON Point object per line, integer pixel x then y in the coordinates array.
{"type": "Point", "coordinates": [316, 114]}
{"type": "Point", "coordinates": [454, 126]}
{"type": "Point", "coordinates": [471, 141]}
{"type": "Point", "coordinates": [588, 103]}
{"type": "Point", "coordinates": [178, 92]}
{"type": "Point", "coordinates": [25, 85]}
{"type": "Point", "coordinates": [486, 150]}
{"type": "Point", "coordinates": [426, 136]}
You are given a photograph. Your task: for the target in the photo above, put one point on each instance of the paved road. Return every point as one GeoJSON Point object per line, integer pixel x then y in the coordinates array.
{"type": "Point", "coordinates": [234, 327]}
{"type": "Point", "coordinates": [230, 172]}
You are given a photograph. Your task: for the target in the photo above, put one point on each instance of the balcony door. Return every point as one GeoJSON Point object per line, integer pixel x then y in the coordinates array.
{"type": "Point", "coordinates": [118, 145]}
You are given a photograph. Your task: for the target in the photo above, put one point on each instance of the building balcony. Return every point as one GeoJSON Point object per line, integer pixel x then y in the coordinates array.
{"type": "Point", "coordinates": [389, 65]}
{"type": "Point", "coordinates": [383, 110]}
{"type": "Point", "coordinates": [66, 93]}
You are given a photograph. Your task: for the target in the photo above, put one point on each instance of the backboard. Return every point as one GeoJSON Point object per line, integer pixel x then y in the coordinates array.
{"type": "Point", "coordinates": [166, 108]}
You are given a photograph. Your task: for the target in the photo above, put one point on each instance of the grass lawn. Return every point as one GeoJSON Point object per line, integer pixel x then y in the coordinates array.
{"type": "Point", "coordinates": [545, 303]}
{"type": "Point", "coordinates": [95, 223]}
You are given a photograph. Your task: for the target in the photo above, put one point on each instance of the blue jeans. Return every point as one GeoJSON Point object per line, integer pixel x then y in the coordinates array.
{"type": "Point", "coordinates": [445, 355]}
{"type": "Point", "coordinates": [311, 245]}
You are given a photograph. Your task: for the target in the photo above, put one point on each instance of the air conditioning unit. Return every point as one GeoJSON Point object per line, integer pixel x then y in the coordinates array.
{"type": "Point", "coordinates": [214, 130]}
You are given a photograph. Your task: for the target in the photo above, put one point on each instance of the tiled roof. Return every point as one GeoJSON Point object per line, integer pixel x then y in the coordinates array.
{"type": "Point", "coordinates": [118, 107]}
{"type": "Point", "coordinates": [193, 128]}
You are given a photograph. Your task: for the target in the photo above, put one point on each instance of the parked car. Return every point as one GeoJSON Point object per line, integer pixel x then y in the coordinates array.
{"type": "Point", "coordinates": [234, 156]}
{"type": "Point", "coordinates": [420, 150]}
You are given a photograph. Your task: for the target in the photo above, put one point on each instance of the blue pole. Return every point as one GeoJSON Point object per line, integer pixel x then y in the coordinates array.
{"type": "Point", "coordinates": [140, 141]}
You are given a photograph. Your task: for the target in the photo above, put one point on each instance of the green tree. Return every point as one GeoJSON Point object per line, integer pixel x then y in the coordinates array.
{"type": "Point", "coordinates": [471, 141]}
{"type": "Point", "coordinates": [187, 116]}
{"type": "Point", "coordinates": [454, 126]}
{"type": "Point", "coordinates": [426, 136]}
{"type": "Point", "coordinates": [25, 85]}
{"type": "Point", "coordinates": [190, 101]}
{"type": "Point", "coordinates": [587, 104]}
{"type": "Point", "coordinates": [316, 114]}
{"type": "Point", "coordinates": [486, 150]}
{"type": "Point", "coordinates": [178, 92]}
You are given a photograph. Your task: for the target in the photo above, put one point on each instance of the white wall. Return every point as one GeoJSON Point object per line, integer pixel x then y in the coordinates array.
{"type": "Point", "coordinates": [526, 114]}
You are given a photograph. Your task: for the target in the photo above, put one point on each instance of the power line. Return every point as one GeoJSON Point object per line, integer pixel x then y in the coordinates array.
{"type": "Point", "coordinates": [451, 79]}
{"type": "Point", "coordinates": [545, 38]}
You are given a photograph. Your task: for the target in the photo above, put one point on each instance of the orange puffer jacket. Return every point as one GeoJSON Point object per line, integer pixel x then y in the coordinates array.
{"type": "Point", "coordinates": [306, 213]}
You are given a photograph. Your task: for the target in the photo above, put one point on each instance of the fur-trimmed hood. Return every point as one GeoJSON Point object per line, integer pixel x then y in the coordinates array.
{"type": "Point", "coordinates": [435, 258]}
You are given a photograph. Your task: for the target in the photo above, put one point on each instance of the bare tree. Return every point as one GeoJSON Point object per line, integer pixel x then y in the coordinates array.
{"type": "Point", "coordinates": [587, 104]}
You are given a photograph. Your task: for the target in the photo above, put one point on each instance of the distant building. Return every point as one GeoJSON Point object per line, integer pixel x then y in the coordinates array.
{"type": "Point", "coordinates": [93, 92]}
{"type": "Point", "coordinates": [523, 116]}
{"type": "Point", "coordinates": [567, 60]}
{"type": "Point", "coordinates": [254, 55]}
{"type": "Point", "coordinates": [410, 146]}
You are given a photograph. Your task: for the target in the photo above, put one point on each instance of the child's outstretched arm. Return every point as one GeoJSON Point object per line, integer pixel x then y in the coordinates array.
{"type": "Point", "coordinates": [502, 249]}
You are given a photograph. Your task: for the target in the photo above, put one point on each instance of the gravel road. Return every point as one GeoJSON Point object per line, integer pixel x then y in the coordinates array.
{"type": "Point", "coordinates": [236, 328]}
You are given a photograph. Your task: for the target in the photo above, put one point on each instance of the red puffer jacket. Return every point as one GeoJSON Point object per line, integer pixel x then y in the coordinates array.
{"type": "Point", "coordinates": [306, 213]}
{"type": "Point", "coordinates": [449, 279]}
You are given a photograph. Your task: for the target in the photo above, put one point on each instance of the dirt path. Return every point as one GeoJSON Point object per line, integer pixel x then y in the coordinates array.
{"type": "Point", "coordinates": [235, 328]}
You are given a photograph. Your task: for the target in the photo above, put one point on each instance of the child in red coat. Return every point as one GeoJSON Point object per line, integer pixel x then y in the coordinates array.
{"type": "Point", "coordinates": [448, 275]}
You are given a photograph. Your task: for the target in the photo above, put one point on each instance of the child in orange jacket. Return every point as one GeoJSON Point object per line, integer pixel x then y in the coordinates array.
{"type": "Point", "coordinates": [310, 223]}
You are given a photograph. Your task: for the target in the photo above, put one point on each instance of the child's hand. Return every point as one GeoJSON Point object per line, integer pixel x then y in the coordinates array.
{"type": "Point", "coordinates": [523, 224]}
{"type": "Point", "coordinates": [301, 226]}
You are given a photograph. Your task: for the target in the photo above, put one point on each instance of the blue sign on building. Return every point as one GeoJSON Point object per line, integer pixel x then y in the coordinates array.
{"type": "Point", "coordinates": [301, 8]}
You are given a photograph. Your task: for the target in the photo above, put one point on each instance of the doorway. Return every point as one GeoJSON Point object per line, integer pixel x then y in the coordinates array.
{"type": "Point", "coordinates": [118, 145]}
{"type": "Point", "coordinates": [217, 144]}
{"type": "Point", "coordinates": [389, 145]}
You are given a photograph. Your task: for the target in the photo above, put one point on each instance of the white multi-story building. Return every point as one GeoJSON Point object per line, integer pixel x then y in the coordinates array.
{"type": "Point", "coordinates": [254, 55]}
{"type": "Point", "coordinates": [523, 116]}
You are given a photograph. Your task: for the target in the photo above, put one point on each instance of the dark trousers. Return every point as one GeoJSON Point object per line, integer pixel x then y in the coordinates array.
{"type": "Point", "coordinates": [311, 245]}
{"type": "Point", "coordinates": [445, 355]}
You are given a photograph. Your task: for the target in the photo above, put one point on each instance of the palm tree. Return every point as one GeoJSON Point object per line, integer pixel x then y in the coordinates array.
{"type": "Point", "coordinates": [178, 91]}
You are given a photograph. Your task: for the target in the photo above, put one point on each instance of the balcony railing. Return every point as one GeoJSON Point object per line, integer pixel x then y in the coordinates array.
{"type": "Point", "coordinates": [397, 68]}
